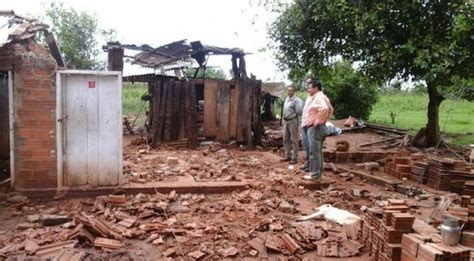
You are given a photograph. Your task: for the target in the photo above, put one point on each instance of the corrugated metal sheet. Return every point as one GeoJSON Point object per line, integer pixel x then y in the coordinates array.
{"type": "Point", "coordinates": [276, 89]}
{"type": "Point", "coordinates": [176, 54]}
{"type": "Point", "coordinates": [6, 28]}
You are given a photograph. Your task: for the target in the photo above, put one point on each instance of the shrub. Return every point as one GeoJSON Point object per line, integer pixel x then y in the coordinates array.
{"type": "Point", "coordinates": [350, 93]}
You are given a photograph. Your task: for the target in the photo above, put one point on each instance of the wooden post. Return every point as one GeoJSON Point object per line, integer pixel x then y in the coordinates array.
{"type": "Point", "coordinates": [115, 59]}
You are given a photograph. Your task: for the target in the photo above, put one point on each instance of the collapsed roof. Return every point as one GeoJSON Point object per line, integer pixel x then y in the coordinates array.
{"type": "Point", "coordinates": [15, 28]}
{"type": "Point", "coordinates": [179, 54]}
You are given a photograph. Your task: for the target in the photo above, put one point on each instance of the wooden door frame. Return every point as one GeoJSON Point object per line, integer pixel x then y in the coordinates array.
{"type": "Point", "coordinates": [60, 141]}
{"type": "Point", "coordinates": [11, 120]}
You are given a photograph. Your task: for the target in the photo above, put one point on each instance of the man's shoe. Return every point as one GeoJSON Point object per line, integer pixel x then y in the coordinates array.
{"type": "Point", "coordinates": [305, 166]}
{"type": "Point", "coordinates": [285, 160]}
{"type": "Point", "coordinates": [294, 161]}
{"type": "Point", "coordinates": [310, 177]}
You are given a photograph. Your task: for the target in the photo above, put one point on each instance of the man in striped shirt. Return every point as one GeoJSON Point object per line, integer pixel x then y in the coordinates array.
{"type": "Point", "coordinates": [319, 111]}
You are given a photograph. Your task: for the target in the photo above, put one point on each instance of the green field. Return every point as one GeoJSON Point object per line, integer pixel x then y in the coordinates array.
{"type": "Point", "coordinates": [456, 117]}
{"type": "Point", "coordinates": [132, 102]}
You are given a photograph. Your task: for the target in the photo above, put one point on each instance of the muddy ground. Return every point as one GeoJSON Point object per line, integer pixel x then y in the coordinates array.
{"type": "Point", "coordinates": [199, 226]}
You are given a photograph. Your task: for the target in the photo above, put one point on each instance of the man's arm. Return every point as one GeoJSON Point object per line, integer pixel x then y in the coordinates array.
{"type": "Point", "coordinates": [299, 106]}
{"type": "Point", "coordinates": [320, 105]}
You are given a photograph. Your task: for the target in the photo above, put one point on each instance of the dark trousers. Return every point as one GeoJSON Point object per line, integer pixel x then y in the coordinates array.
{"type": "Point", "coordinates": [316, 136]}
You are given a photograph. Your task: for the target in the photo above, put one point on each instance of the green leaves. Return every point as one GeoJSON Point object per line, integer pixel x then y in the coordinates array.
{"type": "Point", "coordinates": [350, 92]}
{"type": "Point", "coordinates": [408, 38]}
{"type": "Point", "coordinates": [77, 34]}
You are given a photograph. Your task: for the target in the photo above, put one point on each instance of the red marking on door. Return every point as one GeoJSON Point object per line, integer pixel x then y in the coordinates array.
{"type": "Point", "coordinates": [91, 84]}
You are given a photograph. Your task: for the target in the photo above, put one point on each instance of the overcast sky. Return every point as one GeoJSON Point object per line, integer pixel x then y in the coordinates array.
{"type": "Point", "coordinates": [224, 23]}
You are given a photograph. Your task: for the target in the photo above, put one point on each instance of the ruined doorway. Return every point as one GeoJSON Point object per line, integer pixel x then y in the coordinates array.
{"type": "Point", "coordinates": [4, 126]}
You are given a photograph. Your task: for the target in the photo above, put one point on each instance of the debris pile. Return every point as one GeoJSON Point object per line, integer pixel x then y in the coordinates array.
{"type": "Point", "coordinates": [444, 174]}
{"type": "Point", "coordinates": [258, 222]}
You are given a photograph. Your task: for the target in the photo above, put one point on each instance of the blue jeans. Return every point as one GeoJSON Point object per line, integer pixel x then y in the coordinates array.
{"type": "Point", "coordinates": [305, 141]}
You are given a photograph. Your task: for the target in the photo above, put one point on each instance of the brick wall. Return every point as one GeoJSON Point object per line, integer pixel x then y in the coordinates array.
{"type": "Point", "coordinates": [34, 95]}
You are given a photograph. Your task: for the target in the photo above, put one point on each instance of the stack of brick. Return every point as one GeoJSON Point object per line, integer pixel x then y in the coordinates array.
{"type": "Point", "coordinates": [418, 167]}
{"type": "Point", "coordinates": [419, 172]}
{"type": "Point", "coordinates": [429, 248]}
{"type": "Point", "coordinates": [354, 156]}
{"type": "Point", "coordinates": [382, 232]}
{"type": "Point", "coordinates": [468, 232]}
{"type": "Point", "coordinates": [468, 188]}
{"type": "Point", "coordinates": [439, 176]}
{"type": "Point", "coordinates": [398, 167]}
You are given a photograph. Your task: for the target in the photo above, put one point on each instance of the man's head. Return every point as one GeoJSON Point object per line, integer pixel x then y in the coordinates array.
{"type": "Point", "coordinates": [313, 85]}
{"type": "Point", "coordinates": [291, 91]}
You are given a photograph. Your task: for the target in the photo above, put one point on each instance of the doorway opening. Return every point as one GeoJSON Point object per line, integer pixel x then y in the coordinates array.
{"type": "Point", "coordinates": [4, 128]}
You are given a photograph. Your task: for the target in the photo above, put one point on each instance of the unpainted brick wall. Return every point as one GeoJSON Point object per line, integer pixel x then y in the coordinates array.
{"type": "Point", "coordinates": [34, 101]}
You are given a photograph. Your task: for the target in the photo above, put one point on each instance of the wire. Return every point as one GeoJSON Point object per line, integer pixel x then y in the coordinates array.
{"type": "Point", "coordinates": [454, 97]}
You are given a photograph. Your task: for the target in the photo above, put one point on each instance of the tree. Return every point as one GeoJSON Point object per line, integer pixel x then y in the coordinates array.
{"type": "Point", "coordinates": [428, 40]}
{"type": "Point", "coordinates": [77, 34]}
{"type": "Point", "coordinates": [208, 73]}
{"type": "Point", "coordinates": [348, 91]}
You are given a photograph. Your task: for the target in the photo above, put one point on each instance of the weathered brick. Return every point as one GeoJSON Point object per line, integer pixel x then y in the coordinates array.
{"type": "Point", "coordinates": [34, 106]}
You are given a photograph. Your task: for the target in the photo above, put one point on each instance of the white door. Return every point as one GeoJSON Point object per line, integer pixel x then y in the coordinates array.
{"type": "Point", "coordinates": [91, 119]}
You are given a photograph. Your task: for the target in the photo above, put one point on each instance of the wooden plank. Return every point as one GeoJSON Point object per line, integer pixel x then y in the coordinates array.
{"type": "Point", "coordinates": [169, 111]}
{"type": "Point", "coordinates": [257, 120]}
{"type": "Point", "coordinates": [175, 113]}
{"type": "Point", "coordinates": [234, 108]}
{"type": "Point", "coordinates": [193, 115]}
{"type": "Point", "coordinates": [182, 111]}
{"type": "Point", "coordinates": [223, 109]}
{"type": "Point", "coordinates": [186, 111]}
{"type": "Point", "coordinates": [243, 118]}
{"type": "Point", "coordinates": [156, 91]}
{"type": "Point", "coordinates": [210, 108]}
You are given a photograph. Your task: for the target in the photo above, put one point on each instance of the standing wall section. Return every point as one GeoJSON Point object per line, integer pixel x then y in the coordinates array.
{"type": "Point", "coordinates": [34, 103]}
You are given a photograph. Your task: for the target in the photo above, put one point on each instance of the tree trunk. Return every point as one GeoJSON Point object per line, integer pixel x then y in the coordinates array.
{"type": "Point", "coordinates": [433, 135]}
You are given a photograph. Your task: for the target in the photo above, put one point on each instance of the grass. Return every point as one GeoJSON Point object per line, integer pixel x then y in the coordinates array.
{"type": "Point", "coordinates": [455, 116]}
{"type": "Point", "coordinates": [132, 102]}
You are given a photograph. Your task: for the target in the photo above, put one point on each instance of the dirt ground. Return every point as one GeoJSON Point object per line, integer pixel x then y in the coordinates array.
{"type": "Point", "coordinates": [215, 226]}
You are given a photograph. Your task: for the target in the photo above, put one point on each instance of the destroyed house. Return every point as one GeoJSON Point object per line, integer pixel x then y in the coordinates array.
{"type": "Point", "coordinates": [51, 118]}
{"type": "Point", "coordinates": [184, 111]}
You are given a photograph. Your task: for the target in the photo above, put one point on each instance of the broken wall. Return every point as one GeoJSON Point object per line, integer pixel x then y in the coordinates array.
{"type": "Point", "coordinates": [34, 102]}
{"type": "Point", "coordinates": [231, 111]}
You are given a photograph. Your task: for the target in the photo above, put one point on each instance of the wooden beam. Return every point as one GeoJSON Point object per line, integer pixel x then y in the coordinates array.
{"type": "Point", "coordinates": [243, 119]}
{"type": "Point", "coordinates": [156, 91]}
{"type": "Point", "coordinates": [234, 109]}
{"type": "Point", "coordinates": [223, 111]}
{"type": "Point", "coordinates": [210, 108]}
{"type": "Point", "coordinates": [54, 48]}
